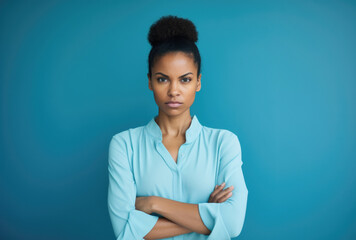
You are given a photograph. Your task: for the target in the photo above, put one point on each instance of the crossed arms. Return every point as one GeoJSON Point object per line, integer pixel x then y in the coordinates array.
{"type": "Point", "coordinates": [178, 217]}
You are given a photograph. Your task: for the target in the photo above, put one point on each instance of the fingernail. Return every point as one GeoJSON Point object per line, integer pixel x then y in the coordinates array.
{"type": "Point", "coordinates": [222, 184]}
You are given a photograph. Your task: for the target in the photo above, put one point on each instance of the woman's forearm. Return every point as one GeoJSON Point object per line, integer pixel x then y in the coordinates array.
{"type": "Point", "coordinates": [164, 228]}
{"type": "Point", "coordinates": [184, 214]}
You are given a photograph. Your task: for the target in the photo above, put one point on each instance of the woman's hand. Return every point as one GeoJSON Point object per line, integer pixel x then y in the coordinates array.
{"type": "Point", "coordinates": [144, 204]}
{"type": "Point", "coordinates": [219, 195]}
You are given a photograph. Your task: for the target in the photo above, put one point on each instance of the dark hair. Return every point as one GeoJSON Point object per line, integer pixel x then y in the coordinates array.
{"type": "Point", "coordinates": [172, 34]}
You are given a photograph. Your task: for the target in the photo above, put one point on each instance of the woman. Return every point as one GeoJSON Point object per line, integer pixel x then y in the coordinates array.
{"type": "Point", "coordinates": [168, 178]}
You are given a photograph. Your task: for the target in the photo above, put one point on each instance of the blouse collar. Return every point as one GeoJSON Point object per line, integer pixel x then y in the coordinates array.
{"type": "Point", "coordinates": [191, 133]}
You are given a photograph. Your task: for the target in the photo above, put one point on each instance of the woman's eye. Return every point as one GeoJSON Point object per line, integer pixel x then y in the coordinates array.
{"type": "Point", "coordinates": [186, 80]}
{"type": "Point", "coordinates": [161, 79]}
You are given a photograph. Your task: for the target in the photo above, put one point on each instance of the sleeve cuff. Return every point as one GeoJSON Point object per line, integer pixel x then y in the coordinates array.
{"type": "Point", "coordinates": [211, 217]}
{"type": "Point", "coordinates": [208, 213]}
{"type": "Point", "coordinates": [141, 222]}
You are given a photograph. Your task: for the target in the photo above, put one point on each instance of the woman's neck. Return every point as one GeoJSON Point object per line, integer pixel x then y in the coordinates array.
{"type": "Point", "coordinates": [173, 126]}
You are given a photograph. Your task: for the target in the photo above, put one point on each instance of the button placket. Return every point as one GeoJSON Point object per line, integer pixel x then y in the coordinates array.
{"type": "Point", "coordinates": [181, 151]}
{"type": "Point", "coordinates": [166, 156]}
{"type": "Point", "coordinates": [179, 186]}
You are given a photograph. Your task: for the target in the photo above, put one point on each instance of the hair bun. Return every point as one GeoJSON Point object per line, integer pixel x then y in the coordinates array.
{"type": "Point", "coordinates": [168, 27]}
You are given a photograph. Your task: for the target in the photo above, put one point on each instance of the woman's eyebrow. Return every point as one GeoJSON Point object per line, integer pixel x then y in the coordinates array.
{"type": "Point", "coordinates": [186, 74]}
{"type": "Point", "coordinates": [167, 76]}
{"type": "Point", "coordinates": [161, 74]}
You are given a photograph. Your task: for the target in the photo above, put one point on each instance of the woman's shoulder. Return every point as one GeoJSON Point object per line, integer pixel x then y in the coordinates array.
{"type": "Point", "coordinates": [226, 141]}
{"type": "Point", "coordinates": [220, 133]}
{"type": "Point", "coordinates": [221, 137]}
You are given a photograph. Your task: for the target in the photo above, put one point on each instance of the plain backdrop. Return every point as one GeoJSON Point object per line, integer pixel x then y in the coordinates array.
{"type": "Point", "coordinates": [280, 74]}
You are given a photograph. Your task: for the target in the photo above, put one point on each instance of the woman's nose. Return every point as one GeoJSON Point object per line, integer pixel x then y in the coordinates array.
{"type": "Point", "coordinates": [173, 88]}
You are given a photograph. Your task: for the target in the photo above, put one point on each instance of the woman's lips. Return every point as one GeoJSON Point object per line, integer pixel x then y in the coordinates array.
{"type": "Point", "coordinates": [174, 104]}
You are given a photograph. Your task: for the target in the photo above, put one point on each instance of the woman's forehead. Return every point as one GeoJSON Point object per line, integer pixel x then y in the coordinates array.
{"type": "Point", "coordinates": [175, 62]}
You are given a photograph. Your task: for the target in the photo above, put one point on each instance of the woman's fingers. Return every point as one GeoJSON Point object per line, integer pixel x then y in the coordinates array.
{"type": "Point", "coordinates": [223, 195]}
{"type": "Point", "coordinates": [217, 189]}
{"type": "Point", "coordinates": [220, 194]}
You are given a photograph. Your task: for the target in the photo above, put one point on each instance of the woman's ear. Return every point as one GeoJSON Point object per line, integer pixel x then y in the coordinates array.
{"type": "Point", "coordinates": [149, 81]}
{"type": "Point", "coordinates": [199, 83]}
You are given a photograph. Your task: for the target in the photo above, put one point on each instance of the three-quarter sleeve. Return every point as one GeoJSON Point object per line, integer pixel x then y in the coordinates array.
{"type": "Point", "coordinates": [225, 220]}
{"type": "Point", "coordinates": [127, 222]}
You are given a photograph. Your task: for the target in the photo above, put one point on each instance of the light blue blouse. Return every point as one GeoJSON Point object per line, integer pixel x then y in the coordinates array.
{"type": "Point", "coordinates": [140, 165]}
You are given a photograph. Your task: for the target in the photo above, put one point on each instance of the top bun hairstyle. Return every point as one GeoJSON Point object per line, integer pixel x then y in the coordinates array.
{"type": "Point", "coordinates": [173, 34]}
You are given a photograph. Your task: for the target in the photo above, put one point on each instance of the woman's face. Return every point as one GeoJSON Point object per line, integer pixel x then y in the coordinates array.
{"type": "Point", "coordinates": [174, 79]}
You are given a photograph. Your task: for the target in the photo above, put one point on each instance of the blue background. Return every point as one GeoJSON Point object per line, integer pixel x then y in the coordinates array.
{"type": "Point", "coordinates": [279, 74]}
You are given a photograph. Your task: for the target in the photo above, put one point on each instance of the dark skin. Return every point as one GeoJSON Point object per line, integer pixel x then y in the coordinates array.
{"type": "Point", "coordinates": [174, 78]}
